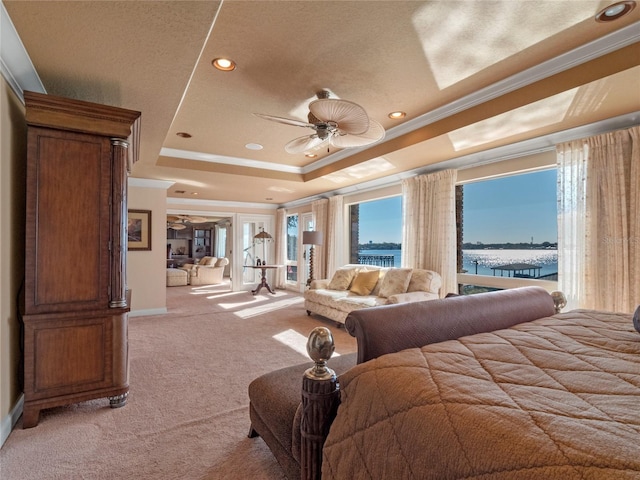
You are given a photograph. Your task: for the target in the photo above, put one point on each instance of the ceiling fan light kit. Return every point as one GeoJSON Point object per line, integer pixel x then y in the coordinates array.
{"type": "Point", "coordinates": [337, 123]}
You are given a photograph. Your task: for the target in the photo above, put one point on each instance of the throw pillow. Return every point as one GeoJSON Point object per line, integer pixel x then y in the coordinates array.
{"type": "Point", "coordinates": [636, 319]}
{"type": "Point", "coordinates": [395, 281]}
{"type": "Point", "coordinates": [381, 273]}
{"type": "Point", "coordinates": [207, 261]}
{"type": "Point", "coordinates": [364, 282]}
{"type": "Point", "coordinates": [420, 281]}
{"type": "Point", "coordinates": [342, 279]}
{"type": "Point", "coordinates": [221, 262]}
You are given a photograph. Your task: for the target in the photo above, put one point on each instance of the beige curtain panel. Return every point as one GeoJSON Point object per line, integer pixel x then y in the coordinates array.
{"type": "Point", "coordinates": [598, 221]}
{"type": "Point", "coordinates": [429, 225]}
{"type": "Point", "coordinates": [281, 248]}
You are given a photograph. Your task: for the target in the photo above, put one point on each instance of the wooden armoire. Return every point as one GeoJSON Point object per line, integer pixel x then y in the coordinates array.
{"type": "Point", "coordinates": [76, 303]}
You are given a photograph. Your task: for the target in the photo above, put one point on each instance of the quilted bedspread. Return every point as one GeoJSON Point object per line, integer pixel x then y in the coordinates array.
{"type": "Point", "coordinates": [556, 398]}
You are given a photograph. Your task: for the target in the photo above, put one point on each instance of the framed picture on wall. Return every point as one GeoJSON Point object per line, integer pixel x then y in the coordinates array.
{"type": "Point", "coordinates": [139, 230]}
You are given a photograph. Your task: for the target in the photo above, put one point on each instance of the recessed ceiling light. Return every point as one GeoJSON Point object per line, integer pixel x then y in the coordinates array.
{"type": "Point", "coordinates": [180, 191]}
{"type": "Point", "coordinates": [397, 115]}
{"type": "Point", "coordinates": [311, 155]}
{"type": "Point", "coordinates": [224, 64]}
{"type": "Point", "coordinates": [194, 193]}
{"type": "Point", "coordinates": [183, 134]}
{"type": "Point", "coordinates": [615, 11]}
{"type": "Point", "coordinates": [253, 146]}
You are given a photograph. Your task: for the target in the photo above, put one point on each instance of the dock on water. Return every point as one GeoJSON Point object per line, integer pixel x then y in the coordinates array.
{"type": "Point", "coordinates": [519, 270]}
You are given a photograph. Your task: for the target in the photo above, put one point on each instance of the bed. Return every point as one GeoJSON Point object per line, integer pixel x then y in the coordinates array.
{"type": "Point", "coordinates": [553, 398]}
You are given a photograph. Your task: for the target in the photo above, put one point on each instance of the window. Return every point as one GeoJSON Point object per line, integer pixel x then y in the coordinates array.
{"type": "Point", "coordinates": [509, 228]}
{"type": "Point", "coordinates": [221, 241]}
{"type": "Point", "coordinates": [376, 232]}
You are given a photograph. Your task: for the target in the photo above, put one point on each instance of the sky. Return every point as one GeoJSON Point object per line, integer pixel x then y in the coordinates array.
{"type": "Point", "coordinates": [505, 210]}
{"type": "Point", "coordinates": [512, 209]}
{"type": "Point", "coordinates": [381, 221]}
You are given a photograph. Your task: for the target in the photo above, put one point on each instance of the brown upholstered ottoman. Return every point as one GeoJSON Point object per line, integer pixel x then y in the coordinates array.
{"type": "Point", "coordinates": [274, 402]}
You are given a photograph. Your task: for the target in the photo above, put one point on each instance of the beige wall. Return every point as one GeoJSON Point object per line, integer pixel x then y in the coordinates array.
{"type": "Point", "coordinates": [13, 147]}
{"type": "Point", "coordinates": [526, 163]}
{"type": "Point", "coordinates": [146, 270]}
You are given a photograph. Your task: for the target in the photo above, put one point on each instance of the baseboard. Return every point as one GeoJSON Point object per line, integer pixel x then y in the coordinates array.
{"type": "Point", "coordinates": [10, 420]}
{"type": "Point", "coordinates": [151, 311]}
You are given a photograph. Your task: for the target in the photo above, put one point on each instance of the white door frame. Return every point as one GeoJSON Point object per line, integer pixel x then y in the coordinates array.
{"type": "Point", "coordinates": [265, 221]}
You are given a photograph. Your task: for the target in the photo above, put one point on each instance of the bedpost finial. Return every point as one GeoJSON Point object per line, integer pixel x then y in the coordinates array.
{"type": "Point", "coordinates": [320, 347]}
{"type": "Point", "coordinates": [559, 300]}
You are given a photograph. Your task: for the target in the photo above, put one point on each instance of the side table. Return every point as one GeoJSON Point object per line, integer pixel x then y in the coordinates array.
{"type": "Point", "coordinates": [263, 281]}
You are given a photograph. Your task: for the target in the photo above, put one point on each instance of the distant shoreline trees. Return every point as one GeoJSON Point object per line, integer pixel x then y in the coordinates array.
{"type": "Point", "coordinates": [380, 246]}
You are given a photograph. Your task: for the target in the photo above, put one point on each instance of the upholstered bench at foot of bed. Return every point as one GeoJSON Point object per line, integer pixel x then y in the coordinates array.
{"type": "Point", "coordinates": [274, 400]}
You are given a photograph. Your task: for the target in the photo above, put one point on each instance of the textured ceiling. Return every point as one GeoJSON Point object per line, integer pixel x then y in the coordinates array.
{"type": "Point", "coordinates": [455, 67]}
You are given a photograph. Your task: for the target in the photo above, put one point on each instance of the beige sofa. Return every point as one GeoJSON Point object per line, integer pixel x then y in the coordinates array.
{"type": "Point", "coordinates": [361, 286]}
{"type": "Point", "coordinates": [208, 271]}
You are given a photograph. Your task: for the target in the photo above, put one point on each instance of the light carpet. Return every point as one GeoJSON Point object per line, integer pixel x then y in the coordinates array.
{"type": "Point", "coordinates": [187, 416]}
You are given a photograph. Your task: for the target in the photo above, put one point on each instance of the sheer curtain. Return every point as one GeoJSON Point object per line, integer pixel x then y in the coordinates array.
{"type": "Point", "coordinates": [281, 248]}
{"type": "Point", "coordinates": [598, 221]}
{"type": "Point", "coordinates": [334, 237]}
{"type": "Point", "coordinates": [572, 221]}
{"type": "Point", "coordinates": [320, 212]}
{"type": "Point", "coordinates": [429, 225]}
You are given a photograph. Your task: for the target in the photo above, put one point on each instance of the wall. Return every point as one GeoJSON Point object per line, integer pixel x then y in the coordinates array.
{"type": "Point", "coordinates": [526, 163]}
{"type": "Point", "coordinates": [13, 148]}
{"type": "Point", "coordinates": [146, 270]}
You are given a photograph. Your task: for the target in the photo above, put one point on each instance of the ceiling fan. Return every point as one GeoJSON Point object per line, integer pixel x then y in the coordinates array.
{"type": "Point", "coordinates": [339, 123]}
{"type": "Point", "coordinates": [180, 222]}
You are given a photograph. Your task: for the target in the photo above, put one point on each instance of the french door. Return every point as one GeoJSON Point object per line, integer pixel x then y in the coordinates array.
{"type": "Point", "coordinates": [253, 244]}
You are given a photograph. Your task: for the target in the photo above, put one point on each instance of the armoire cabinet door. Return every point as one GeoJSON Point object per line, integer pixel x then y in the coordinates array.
{"type": "Point", "coordinates": [69, 177]}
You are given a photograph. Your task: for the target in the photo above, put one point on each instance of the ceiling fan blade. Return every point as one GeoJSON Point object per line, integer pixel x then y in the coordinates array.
{"type": "Point", "coordinates": [374, 134]}
{"type": "Point", "coordinates": [304, 144]}
{"type": "Point", "coordinates": [350, 117]}
{"type": "Point", "coordinates": [286, 121]}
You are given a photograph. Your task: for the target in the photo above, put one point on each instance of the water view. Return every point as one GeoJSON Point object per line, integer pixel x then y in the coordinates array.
{"type": "Point", "coordinates": [486, 259]}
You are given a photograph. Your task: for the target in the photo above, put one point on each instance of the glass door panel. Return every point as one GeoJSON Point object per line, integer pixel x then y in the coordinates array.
{"type": "Point", "coordinates": [292, 249]}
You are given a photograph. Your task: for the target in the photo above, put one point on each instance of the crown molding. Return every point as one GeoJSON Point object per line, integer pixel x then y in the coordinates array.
{"type": "Point", "coordinates": [149, 183]}
{"type": "Point", "coordinates": [597, 48]}
{"type": "Point", "coordinates": [15, 64]}
{"type": "Point", "coordinates": [236, 161]}
{"type": "Point", "coordinates": [604, 45]}
{"type": "Point", "coordinates": [17, 69]}
{"type": "Point", "coordinates": [172, 201]}
{"type": "Point", "coordinates": [499, 154]}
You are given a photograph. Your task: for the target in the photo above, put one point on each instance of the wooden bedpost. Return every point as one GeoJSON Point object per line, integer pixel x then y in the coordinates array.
{"type": "Point", "coordinates": [320, 399]}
